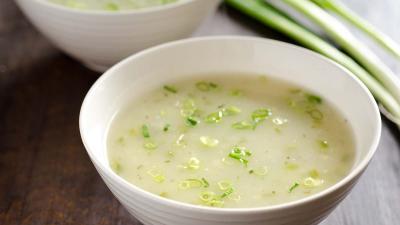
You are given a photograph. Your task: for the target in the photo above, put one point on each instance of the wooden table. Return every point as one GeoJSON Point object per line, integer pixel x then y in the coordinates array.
{"type": "Point", "coordinates": [46, 176]}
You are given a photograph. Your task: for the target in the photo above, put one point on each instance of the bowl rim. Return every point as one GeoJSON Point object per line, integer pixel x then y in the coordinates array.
{"type": "Point", "coordinates": [152, 9]}
{"type": "Point", "coordinates": [351, 176]}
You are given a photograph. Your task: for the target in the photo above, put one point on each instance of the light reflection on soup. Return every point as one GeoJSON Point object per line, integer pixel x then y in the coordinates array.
{"type": "Point", "coordinates": [237, 141]}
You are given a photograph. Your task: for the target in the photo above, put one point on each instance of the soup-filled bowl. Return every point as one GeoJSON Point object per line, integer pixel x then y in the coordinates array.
{"type": "Point", "coordinates": [219, 57]}
{"type": "Point", "coordinates": [100, 38]}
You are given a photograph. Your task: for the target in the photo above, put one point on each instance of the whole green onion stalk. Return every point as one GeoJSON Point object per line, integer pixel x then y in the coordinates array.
{"type": "Point", "coordinates": [270, 16]}
{"type": "Point", "coordinates": [339, 33]}
{"type": "Point", "coordinates": [344, 12]}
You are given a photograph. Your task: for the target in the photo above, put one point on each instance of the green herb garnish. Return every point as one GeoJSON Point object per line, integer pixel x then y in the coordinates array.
{"type": "Point", "coordinates": [191, 183]}
{"type": "Point", "coordinates": [170, 89]}
{"type": "Point", "coordinates": [145, 131]}
{"type": "Point", "coordinates": [323, 144]}
{"type": "Point", "coordinates": [214, 117]}
{"type": "Point", "coordinates": [205, 182]}
{"type": "Point", "coordinates": [313, 99]}
{"type": "Point", "coordinates": [243, 125]}
{"type": "Point", "coordinates": [260, 115]}
{"type": "Point", "coordinates": [230, 111]}
{"type": "Point", "coordinates": [156, 175]}
{"type": "Point", "coordinates": [150, 145]}
{"type": "Point", "coordinates": [294, 186]}
{"type": "Point", "coordinates": [188, 108]}
{"type": "Point", "coordinates": [192, 121]}
{"type": "Point", "coordinates": [240, 154]}
{"type": "Point", "coordinates": [315, 114]}
{"type": "Point", "coordinates": [166, 127]}
{"type": "Point", "coordinates": [236, 92]}
{"type": "Point", "coordinates": [192, 164]}
{"type": "Point", "coordinates": [228, 192]}
{"type": "Point", "coordinates": [224, 185]}
{"type": "Point", "coordinates": [206, 86]}
{"type": "Point", "coordinates": [312, 182]}
{"type": "Point", "coordinates": [111, 7]}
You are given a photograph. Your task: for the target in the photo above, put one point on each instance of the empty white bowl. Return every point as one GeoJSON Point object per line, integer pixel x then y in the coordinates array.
{"type": "Point", "coordinates": [221, 55]}
{"type": "Point", "coordinates": [100, 39]}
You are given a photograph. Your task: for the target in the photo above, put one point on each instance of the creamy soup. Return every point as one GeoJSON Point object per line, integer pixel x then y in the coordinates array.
{"type": "Point", "coordinates": [111, 5]}
{"type": "Point", "coordinates": [231, 141]}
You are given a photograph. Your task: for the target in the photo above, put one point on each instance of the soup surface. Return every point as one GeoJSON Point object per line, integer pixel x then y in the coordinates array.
{"type": "Point", "coordinates": [111, 5]}
{"type": "Point", "coordinates": [237, 141]}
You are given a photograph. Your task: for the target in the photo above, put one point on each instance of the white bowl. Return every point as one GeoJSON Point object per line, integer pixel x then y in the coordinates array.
{"type": "Point", "coordinates": [221, 55]}
{"type": "Point", "coordinates": [100, 39]}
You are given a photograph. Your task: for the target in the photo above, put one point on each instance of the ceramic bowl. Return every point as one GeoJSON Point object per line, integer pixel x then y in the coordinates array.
{"type": "Point", "coordinates": [221, 55]}
{"type": "Point", "coordinates": [100, 39]}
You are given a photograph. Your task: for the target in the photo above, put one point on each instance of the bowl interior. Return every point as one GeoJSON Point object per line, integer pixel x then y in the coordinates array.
{"type": "Point", "coordinates": [223, 55]}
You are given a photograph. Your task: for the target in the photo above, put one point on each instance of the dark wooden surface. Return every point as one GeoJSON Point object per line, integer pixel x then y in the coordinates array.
{"type": "Point", "coordinates": [45, 174]}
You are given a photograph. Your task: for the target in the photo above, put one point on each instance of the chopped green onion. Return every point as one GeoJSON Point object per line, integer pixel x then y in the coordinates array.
{"type": "Point", "coordinates": [236, 92]}
{"type": "Point", "coordinates": [294, 186]}
{"type": "Point", "coordinates": [116, 167]}
{"type": "Point", "coordinates": [170, 89]}
{"type": "Point", "coordinates": [188, 108]}
{"type": "Point", "coordinates": [323, 144]}
{"type": "Point", "coordinates": [215, 203]}
{"type": "Point", "coordinates": [192, 121]}
{"type": "Point", "coordinates": [240, 153]}
{"type": "Point", "coordinates": [205, 182]}
{"type": "Point", "coordinates": [214, 117]}
{"type": "Point", "coordinates": [224, 185]}
{"type": "Point", "coordinates": [313, 99]}
{"type": "Point", "coordinates": [291, 165]}
{"type": "Point", "coordinates": [346, 13]}
{"type": "Point", "coordinates": [228, 192]}
{"type": "Point", "coordinates": [145, 131]}
{"type": "Point", "coordinates": [207, 196]}
{"type": "Point", "coordinates": [111, 7]}
{"type": "Point", "coordinates": [164, 194]}
{"type": "Point", "coordinates": [192, 164]}
{"type": "Point", "coordinates": [242, 125]}
{"type": "Point", "coordinates": [156, 175]}
{"type": "Point", "coordinates": [202, 86]}
{"type": "Point", "coordinates": [314, 173]}
{"type": "Point", "coordinates": [166, 127]}
{"type": "Point", "coordinates": [150, 145]}
{"type": "Point", "coordinates": [209, 142]}
{"type": "Point", "coordinates": [230, 111]}
{"type": "Point", "coordinates": [312, 182]}
{"type": "Point", "coordinates": [206, 86]}
{"type": "Point", "coordinates": [210, 199]}
{"type": "Point", "coordinates": [316, 114]}
{"type": "Point", "coordinates": [260, 115]}
{"type": "Point", "coordinates": [261, 171]}
{"type": "Point", "coordinates": [190, 183]}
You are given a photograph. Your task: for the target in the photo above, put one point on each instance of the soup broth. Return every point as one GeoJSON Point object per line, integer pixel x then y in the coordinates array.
{"type": "Point", "coordinates": [111, 5]}
{"type": "Point", "coordinates": [231, 141]}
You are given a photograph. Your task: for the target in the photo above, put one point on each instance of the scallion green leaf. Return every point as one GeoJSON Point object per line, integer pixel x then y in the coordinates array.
{"type": "Point", "coordinates": [294, 186]}
{"type": "Point", "coordinates": [145, 131]}
{"type": "Point", "coordinates": [243, 125]}
{"type": "Point", "coordinates": [270, 16]}
{"type": "Point", "coordinates": [170, 89]}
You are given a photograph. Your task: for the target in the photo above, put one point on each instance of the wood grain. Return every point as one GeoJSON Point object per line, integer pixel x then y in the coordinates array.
{"type": "Point", "coordinates": [46, 176]}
